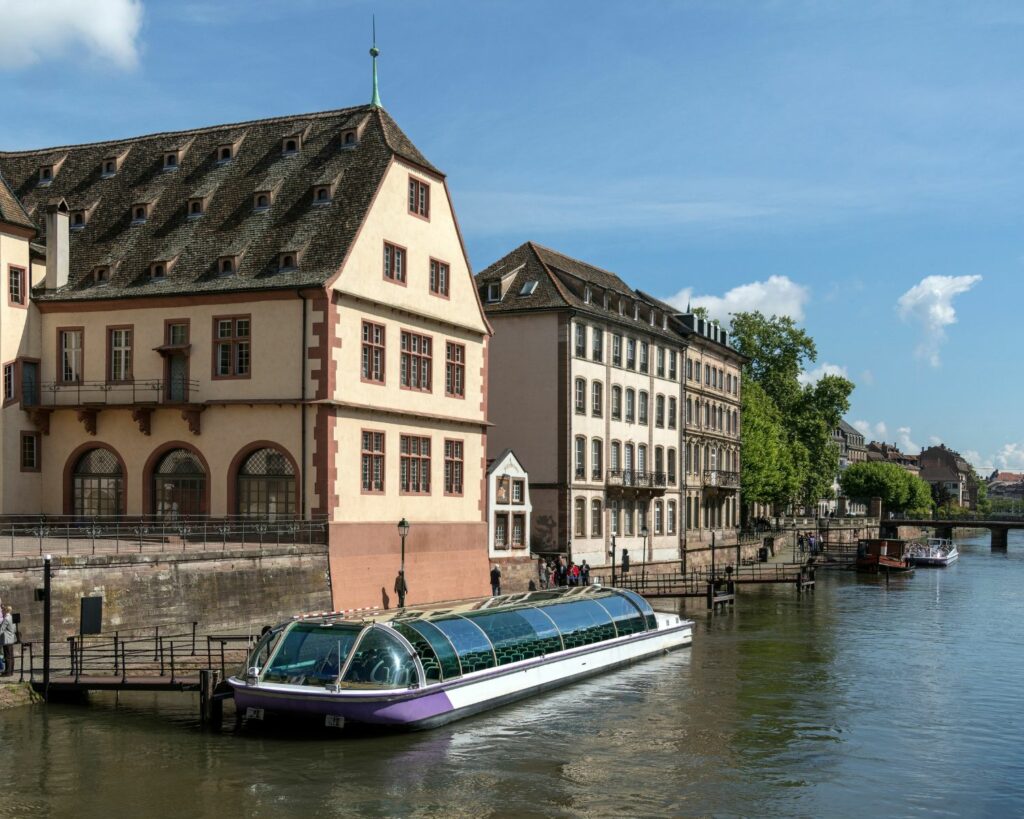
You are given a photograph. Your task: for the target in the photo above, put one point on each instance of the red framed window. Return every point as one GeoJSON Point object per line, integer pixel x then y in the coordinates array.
{"type": "Point", "coordinates": [16, 285]}
{"type": "Point", "coordinates": [419, 197]}
{"type": "Point", "coordinates": [439, 278]}
{"type": "Point", "coordinates": [8, 383]}
{"type": "Point", "coordinates": [30, 454]}
{"type": "Point", "coordinates": [373, 352]}
{"type": "Point", "coordinates": [394, 263]}
{"type": "Point", "coordinates": [416, 361]}
{"type": "Point", "coordinates": [455, 370]}
{"type": "Point", "coordinates": [232, 347]}
{"type": "Point", "coordinates": [414, 465]}
{"type": "Point", "coordinates": [373, 461]}
{"type": "Point", "coordinates": [453, 467]}
{"type": "Point", "coordinates": [119, 345]}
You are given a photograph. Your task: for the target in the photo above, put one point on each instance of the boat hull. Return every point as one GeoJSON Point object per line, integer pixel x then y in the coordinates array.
{"type": "Point", "coordinates": [434, 705]}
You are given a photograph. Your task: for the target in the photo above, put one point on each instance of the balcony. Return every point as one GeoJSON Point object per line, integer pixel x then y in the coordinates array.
{"type": "Point", "coordinates": [718, 479]}
{"type": "Point", "coordinates": [54, 394]}
{"type": "Point", "coordinates": [636, 480]}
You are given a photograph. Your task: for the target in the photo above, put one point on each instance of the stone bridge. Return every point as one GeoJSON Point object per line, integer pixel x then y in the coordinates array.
{"type": "Point", "coordinates": [999, 527]}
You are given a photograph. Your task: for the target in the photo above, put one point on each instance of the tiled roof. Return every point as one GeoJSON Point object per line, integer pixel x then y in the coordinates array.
{"type": "Point", "coordinates": [229, 226]}
{"type": "Point", "coordinates": [11, 210]}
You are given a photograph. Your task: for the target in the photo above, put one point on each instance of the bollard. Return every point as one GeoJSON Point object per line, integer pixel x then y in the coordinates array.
{"type": "Point", "coordinates": [211, 707]}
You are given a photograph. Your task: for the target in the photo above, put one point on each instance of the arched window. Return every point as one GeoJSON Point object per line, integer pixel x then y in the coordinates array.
{"type": "Point", "coordinates": [179, 485]}
{"type": "Point", "coordinates": [266, 485]}
{"type": "Point", "coordinates": [227, 266]}
{"type": "Point", "coordinates": [97, 485]}
{"type": "Point", "coordinates": [197, 207]}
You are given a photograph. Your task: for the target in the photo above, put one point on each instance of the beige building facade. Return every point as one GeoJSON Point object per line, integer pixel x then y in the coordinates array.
{"type": "Point", "coordinates": [268, 320]}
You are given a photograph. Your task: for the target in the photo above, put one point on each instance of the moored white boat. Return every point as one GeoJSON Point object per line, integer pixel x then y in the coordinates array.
{"type": "Point", "coordinates": [421, 668]}
{"type": "Point", "coordinates": [935, 552]}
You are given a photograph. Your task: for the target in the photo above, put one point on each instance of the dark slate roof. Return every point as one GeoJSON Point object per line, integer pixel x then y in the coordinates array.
{"type": "Point", "coordinates": [11, 210]}
{"type": "Point", "coordinates": [229, 226]}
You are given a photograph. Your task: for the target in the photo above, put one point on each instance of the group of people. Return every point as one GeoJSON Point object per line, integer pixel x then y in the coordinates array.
{"type": "Point", "coordinates": [809, 543]}
{"type": "Point", "coordinates": [562, 572]}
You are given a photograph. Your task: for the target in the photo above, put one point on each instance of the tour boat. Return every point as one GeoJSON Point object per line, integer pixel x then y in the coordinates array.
{"type": "Point", "coordinates": [883, 555]}
{"type": "Point", "coordinates": [423, 667]}
{"type": "Point", "coordinates": [938, 551]}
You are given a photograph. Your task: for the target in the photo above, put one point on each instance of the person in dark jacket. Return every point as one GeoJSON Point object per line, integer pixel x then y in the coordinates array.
{"type": "Point", "coordinates": [401, 589]}
{"type": "Point", "coordinates": [495, 580]}
{"type": "Point", "coordinates": [9, 636]}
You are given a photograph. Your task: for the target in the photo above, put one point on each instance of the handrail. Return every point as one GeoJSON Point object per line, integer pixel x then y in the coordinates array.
{"type": "Point", "coordinates": [134, 391]}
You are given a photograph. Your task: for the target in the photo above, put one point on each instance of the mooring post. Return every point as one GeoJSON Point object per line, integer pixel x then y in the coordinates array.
{"type": "Point", "coordinates": [711, 595]}
{"type": "Point", "coordinates": [211, 707]}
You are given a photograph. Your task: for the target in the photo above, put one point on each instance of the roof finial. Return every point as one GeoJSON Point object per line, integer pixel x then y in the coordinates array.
{"type": "Point", "coordinates": [374, 51]}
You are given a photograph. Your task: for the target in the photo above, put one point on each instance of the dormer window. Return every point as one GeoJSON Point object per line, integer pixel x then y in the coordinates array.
{"type": "Point", "coordinates": [196, 207]}
{"type": "Point", "coordinates": [494, 291]}
{"type": "Point", "coordinates": [225, 153]}
{"type": "Point", "coordinates": [101, 275]}
{"type": "Point", "coordinates": [261, 200]}
{"type": "Point", "coordinates": [158, 271]}
{"type": "Point", "coordinates": [45, 175]}
{"type": "Point", "coordinates": [606, 301]}
{"type": "Point", "coordinates": [109, 168]}
{"type": "Point", "coordinates": [171, 161]}
{"type": "Point", "coordinates": [664, 322]}
{"type": "Point", "coordinates": [322, 195]}
{"type": "Point", "coordinates": [622, 306]}
{"type": "Point", "coordinates": [349, 139]}
{"type": "Point", "coordinates": [586, 294]}
{"type": "Point", "coordinates": [290, 145]}
{"type": "Point", "coordinates": [287, 261]}
{"type": "Point", "coordinates": [78, 220]}
{"type": "Point", "coordinates": [140, 213]}
{"type": "Point", "coordinates": [227, 265]}
{"type": "Point", "coordinates": [636, 311]}
{"type": "Point", "coordinates": [651, 318]}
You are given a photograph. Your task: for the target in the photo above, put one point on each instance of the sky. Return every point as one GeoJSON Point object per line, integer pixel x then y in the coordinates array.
{"type": "Point", "coordinates": [855, 165]}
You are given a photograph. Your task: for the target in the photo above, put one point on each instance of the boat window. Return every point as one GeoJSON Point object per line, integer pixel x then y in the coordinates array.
{"type": "Point", "coordinates": [380, 661]}
{"type": "Point", "coordinates": [428, 657]}
{"type": "Point", "coordinates": [442, 646]}
{"type": "Point", "coordinates": [312, 654]}
{"type": "Point", "coordinates": [627, 617]}
{"type": "Point", "coordinates": [581, 622]}
{"type": "Point", "coordinates": [643, 605]}
{"type": "Point", "coordinates": [475, 652]}
{"type": "Point", "coordinates": [263, 649]}
{"type": "Point", "coordinates": [513, 636]}
{"type": "Point", "coordinates": [545, 628]}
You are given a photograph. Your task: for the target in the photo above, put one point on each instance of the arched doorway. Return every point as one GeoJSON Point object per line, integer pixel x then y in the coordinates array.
{"type": "Point", "coordinates": [265, 485]}
{"type": "Point", "coordinates": [97, 484]}
{"type": "Point", "coordinates": [179, 485]}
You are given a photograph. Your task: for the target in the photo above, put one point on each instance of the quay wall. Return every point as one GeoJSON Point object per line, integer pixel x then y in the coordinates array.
{"type": "Point", "coordinates": [220, 589]}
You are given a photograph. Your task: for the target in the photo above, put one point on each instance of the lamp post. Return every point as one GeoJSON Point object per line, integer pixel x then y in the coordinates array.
{"type": "Point", "coordinates": [47, 560]}
{"type": "Point", "coordinates": [613, 560]}
{"type": "Point", "coordinates": [643, 566]}
{"type": "Point", "coordinates": [403, 530]}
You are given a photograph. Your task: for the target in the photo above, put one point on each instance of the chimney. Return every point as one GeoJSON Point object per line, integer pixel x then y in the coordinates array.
{"type": "Point", "coordinates": [57, 244]}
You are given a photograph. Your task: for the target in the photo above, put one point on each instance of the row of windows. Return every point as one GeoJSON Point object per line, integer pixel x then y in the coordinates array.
{"type": "Point", "coordinates": [637, 404]}
{"type": "Point", "coordinates": [415, 458]}
{"type": "Point", "coordinates": [714, 377]}
{"type": "Point", "coordinates": [415, 361]}
{"type": "Point", "coordinates": [727, 460]}
{"type": "Point", "coordinates": [713, 416]}
{"type": "Point", "coordinates": [637, 352]}
{"type": "Point", "coordinates": [396, 270]}
{"type": "Point", "coordinates": [627, 518]}
{"type": "Point", "coordinates": [631, 458]}
{"type": "Point", "coordinates": [506, 535]}
{"type": "Point", "coordinates": [714, 514]}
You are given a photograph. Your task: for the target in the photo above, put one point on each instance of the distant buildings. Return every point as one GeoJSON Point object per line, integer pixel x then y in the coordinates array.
{"type": "Point", "coordinates": [946, 469]}
{"type": "Point", "coordinates": [850, 444]}
{"type": "Point", "coordinates": [1009, 485]}
{"type": "Point", "coordinates": [891, 454]}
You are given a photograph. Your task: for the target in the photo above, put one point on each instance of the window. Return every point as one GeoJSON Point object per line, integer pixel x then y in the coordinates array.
{"type": "Point", "coordinates": [373, 461]}
{"type": "Point", "coordinates": [109, 167]}
{"type": "Point", "coordinates": [415, 363]}
{"type": "Point", "coordinates": [177, 335]}
{"type": "Point", "coordinates": [617, 350]}
{"type": "Point", "coordinates": [671, 412]}
{"type": "Point", "coordinates": [78, 218]}
{"type": "Point", "coordinates": [261, 201]}
{"type": "Point", "coordinates": [518, 490]}
{"type": "Point", "coordinates": [642, 409]}
{"type": "Point", "coordinates": [659, 411]}
{"type": "Point", "coordinates": [707, 374]}
{"type": "Point", "coordinates": [30, 451]}
{"type": "Point", "coordinates": [265, 486]}
{"type": "Point", "coordinates": [587, 295]}
{"type": "Point", "coordinates": [580, 518]}
{"type": "Point", "coordinates": [157, 270]}
{"type": "Point", "coordinates": [419, 197]}
{"type": "Point", "coordinates": [672, 364]}
{"type": "Point", "coordinates": [97, 485]}
{"type": "Point", "coordinates": [644, 357]}
{"type": "Point", "coordinates": [581, 340]}
{"type": "Point", "coordinates": [581, 396]}
{"type": "Point", "coordinates": [689, 410]}
{"type": "Point", "coordinates": [631, 353]}
{"type": "Point", "coordinates": [414, 465]}
{"type": "Point", "coordinates": [613, 517]}
{"type": "Point", "coordinates": [597, 399]}
{"type": "Point", "coordinates": [595, 518]}
{"type": "Point", "coordinates": [439, 276]}
{"type": "Point", "coordinates": [616, 403]}
{"type": "Point", "coordinates": [101, 275]}
{"type": "Point", "coordinates": [627, 519]}
{"type": "Point", "coordinates": [139, 214]}
{"type": "Point", "coordinates": [581, 458]}
{"type": "Point", "coordinates": [501, 531]}
{"type": "Point", "coordinates": [455, 370]}
{"type": "Point", "coordinates": [671, 466]}
{"type": "Point", "coordinates": [224, 154]}
{"type": "Point", "coordinates": [16, 285]}
{"type": "Point", "coordinates": [231, 347]}
{"type": "Point", "coordinates": [227, 265]}
{"type": "Point", "coordinates": [119, 342]}
{"type": "Point", "coordinates": [630, 406]}
{"type": "Point", "coordinates": [70, 355]}
{"type": "Point", "coordinates": [641, 459]}
{"type": "Point", "coordinates": [373, 352]}
{"type": "Point", "coordinates": [518, 530]}
{"type": "Point", "coordinates": [616, 456]}
{"type": "Point", "coordinates": [494, 291]}
{"type": "Point", "coordinates": [670, 522]}
{"type": "Point", "coordinates": [8, 383]}
{"type": "Point", "coordinates": [290, 145]}
{"type": "Point", "coordinates": [597, 349]}
{"type": "Point", "coordinates": [322, 195]}
{"type": "Point", "coordinates": [171, 161]}
{"type": "Point", "coordinates": [196, 208]}
{"type": "Point", "coordinates": [453, 467]}
{"type": "Point", "coordinates": [528, 288]}
{"type": "Point", "coordinates": [287, 261]}
{"type": "Point", "coordinates": [661, 363]}
{"type": "Point", "coordinates": [689, 369]}
{"type": "Point", "coordinates": [394, 263]}
{"type": "Point", "coordinates": [596, 465]}
{"type": "Point", "coordinates": [658, 517]}
{"type": "Point", "coordinates": [349, 139]}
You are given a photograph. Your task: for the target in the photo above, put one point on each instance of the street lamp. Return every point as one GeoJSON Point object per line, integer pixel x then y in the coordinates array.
{"type": "Point", "coordinates": [403, 530]}
{"type": "Point", "coordinates": [613, 560]}
{"type": "Point", "coordinates": [643, 567]}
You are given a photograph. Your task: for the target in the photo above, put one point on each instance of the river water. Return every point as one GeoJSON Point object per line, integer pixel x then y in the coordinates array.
{"type": "Point", "coordinates": [863, 699]}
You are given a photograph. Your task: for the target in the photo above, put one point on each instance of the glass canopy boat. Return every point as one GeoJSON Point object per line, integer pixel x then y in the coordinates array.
{"type": "Point", "coordinates": [419, 668]}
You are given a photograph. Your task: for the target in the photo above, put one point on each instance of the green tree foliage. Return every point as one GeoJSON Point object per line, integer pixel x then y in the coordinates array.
{"type": "Point", "coordinates": [899, 490]}
{"type": "Point", "coordinates": [779, 352]}
{"type": "Point", "coordinates": [769, 471]}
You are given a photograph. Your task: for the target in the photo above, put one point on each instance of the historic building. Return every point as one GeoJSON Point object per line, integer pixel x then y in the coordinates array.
{"type": "Point", "coordinates": [509, 507]}
{"type": "Point", "coordinates": [270, 319]}
{"type": "Point", "coordinates": [588, 383]}
{"type": "Point", "coordinates": [951, 475]}
{"type": "Point", "coordinates": [849, 443]}
{"type": "Point", "coordinates": [890, 453]}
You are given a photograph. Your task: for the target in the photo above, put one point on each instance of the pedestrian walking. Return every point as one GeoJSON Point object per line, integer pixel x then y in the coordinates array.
{"type": "Point", "coordinates": [495, 580]}
{"type": "Point", "coordinates": [401, 589]}
{"type": "Point", "coordinates": [585, 573]}
{"type": "Point", "coordinates": [9, 636]}
{"type": "Point", "coordinates": [625, 561]}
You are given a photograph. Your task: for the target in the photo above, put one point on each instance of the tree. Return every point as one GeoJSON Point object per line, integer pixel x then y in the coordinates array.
{"type": "Point", "coordinates": [899, 490]}
{"type": "Point", "coordinates": [769, 473]}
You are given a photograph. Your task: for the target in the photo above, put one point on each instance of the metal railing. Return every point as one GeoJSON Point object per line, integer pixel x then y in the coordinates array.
{"type": "Point", "coordinates": [118, 393]}
{"type": "Point", "coordinates": [70, 535]}
{"type": "Point", "coordinates": [636, 478]}
{"type": "Point", "coordinates": [722, 479]}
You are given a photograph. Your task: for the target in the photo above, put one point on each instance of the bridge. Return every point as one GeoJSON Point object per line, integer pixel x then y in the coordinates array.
{"type": "Point", "coordinates": [999, 526]}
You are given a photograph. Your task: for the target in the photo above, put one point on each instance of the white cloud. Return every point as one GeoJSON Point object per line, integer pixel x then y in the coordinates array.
{"type": "Point", "coordinates": [777, 296]}
{"type": "Point", "coordinates": [905, 443]}
{"type": "Point", "coordinates": [46, 29]}
{"type": "Point", "coordinates": [871, 432]}
{"type": "Point", "coordinates": [930, 304]}
{"type": "Point", "coordinates": [934, 440]}
{"type": "Point", "coordinates": [815, 375]}
{"type": "Point", "coordinates": [880, 432]}
{"type": "Point", "coordinates": [1010, 457]}
{"type": "Point", "coordinates": [867, 378]}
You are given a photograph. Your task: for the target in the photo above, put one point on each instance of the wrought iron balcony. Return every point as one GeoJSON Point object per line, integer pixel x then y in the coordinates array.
{"type": "Point", "coordinates": [113, 393]}
{"type": "Point", "coordinates": [722, 480]}
{"type": "Point", "coordinates": [636, 479]}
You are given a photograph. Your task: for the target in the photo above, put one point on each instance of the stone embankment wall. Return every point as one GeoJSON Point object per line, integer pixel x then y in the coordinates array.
{"type": "Point", "coordinates": [221, 589]}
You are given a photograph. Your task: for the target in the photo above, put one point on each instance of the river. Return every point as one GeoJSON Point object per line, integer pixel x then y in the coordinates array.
{"type": "Point", "coordinates": [863, 699]}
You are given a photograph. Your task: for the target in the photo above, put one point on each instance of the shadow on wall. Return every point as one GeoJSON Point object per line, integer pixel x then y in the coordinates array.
{"type": "Point", "coordinates": [545, 533]}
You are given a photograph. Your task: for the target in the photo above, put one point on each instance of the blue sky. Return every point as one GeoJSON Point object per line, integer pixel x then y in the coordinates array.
{"type": "Point", "coordinates": [857, 165]}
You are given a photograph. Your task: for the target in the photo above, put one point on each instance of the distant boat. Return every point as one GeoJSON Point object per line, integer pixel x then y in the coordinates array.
{"type": "Point", "coordinates": [883, 556]}
{"type": "Point", "coordinates": [423, 667]}
{"type": "Point", "coordinates": [937, 551]}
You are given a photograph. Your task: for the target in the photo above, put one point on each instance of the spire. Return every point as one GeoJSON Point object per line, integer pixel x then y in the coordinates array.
{"type": "Point", "coordinates": [374, 51]}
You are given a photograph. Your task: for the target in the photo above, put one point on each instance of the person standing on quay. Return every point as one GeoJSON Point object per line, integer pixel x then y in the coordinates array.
{"type": "Point", "coordinates": [585, 573]}
{"type": "Point", "coordinates": [401, 589]}
{"type": "Point", "coordinates": [495, 580]}
{"type": "Point", "coordinates": [9, 636]}
{"type": "Point", "coordinates": [542, 572]}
